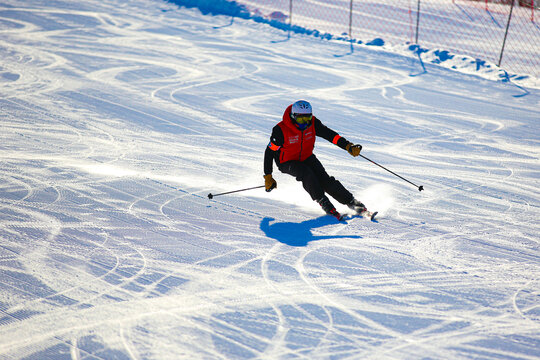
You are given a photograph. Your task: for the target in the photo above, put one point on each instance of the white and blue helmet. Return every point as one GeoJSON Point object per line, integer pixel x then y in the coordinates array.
{"type": "Point", "coordinates": [301, 114]}
{"type": "Point", "coordinates": [301, 107]}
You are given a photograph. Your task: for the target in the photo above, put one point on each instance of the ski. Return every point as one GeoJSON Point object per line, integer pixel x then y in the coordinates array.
{"type": "Point", "coordinates": [369, 214]}
{"type": "Point", "coordinates": [366, 214]}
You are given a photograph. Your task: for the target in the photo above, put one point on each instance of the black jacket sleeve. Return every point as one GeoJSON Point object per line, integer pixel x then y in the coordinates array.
{"type": "Point", "coordinates": [272, 150]}
{"type": "Point", "coordinates": [329, 134]}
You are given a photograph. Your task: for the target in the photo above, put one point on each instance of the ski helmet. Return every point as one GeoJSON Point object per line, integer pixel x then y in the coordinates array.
{"type": "Point", "coordinates": [301, 114]}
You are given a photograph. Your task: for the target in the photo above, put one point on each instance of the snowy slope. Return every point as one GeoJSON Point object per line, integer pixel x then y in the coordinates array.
{"type": "Point", "coordinates": [118, 118]}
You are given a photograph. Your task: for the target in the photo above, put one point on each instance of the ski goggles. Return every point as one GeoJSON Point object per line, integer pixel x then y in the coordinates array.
{"type": "Point", "coordinates": [303, 118]}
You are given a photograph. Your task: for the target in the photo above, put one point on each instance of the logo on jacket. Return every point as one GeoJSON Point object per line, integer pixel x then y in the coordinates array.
{"type": "Point", "coordinates": [294, 139]}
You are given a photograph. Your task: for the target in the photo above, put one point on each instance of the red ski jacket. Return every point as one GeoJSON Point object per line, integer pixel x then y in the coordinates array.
{"type": "Point", "coordinates": [288, 143]}
{"type": "Point", "coordinates": [297, 144]}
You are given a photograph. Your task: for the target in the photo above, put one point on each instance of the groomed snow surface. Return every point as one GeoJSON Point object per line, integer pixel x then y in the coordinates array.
{"type": "Point", "coordinates": [117, 120]}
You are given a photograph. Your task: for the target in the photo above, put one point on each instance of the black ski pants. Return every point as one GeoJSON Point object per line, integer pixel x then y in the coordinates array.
{"type": "Point", "coordinates": [315, 179]}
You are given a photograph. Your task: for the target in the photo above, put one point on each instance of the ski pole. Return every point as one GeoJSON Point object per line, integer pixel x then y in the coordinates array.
{"type": "Point", "coordinates": [210, 196]}
{"type": "Point", "coordinates": [420, 188]}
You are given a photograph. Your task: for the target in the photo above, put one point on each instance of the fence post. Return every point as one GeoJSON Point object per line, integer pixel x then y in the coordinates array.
{"type": "Point", "coordinates": [350, 20]}
{"type": "Point", "coordinates": [417, 21]}
{"type": "Point", "coordinates": [506, 32]}
{"type": "Point", "coordinates": [290, 19]}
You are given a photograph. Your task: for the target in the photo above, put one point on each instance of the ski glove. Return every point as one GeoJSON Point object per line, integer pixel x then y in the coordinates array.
{"type": "Point", "coordinates": [354, 150]}
{"type": "Point", "coordinates": [269, 183]}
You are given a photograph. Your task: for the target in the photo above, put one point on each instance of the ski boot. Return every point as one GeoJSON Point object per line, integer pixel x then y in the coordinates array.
{"type": "Point", "coordinates": [329, 208]}
{"type": "Point", "coordinates": [361, 209]}
{"type": "Point", "coordinates": [357, 206]}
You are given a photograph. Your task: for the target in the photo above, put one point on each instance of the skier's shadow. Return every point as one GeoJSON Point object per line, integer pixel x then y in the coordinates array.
{"type": "Point", "coordinates": [299, 234]}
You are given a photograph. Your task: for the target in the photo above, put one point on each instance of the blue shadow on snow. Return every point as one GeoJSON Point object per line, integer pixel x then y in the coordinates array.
{"type": "Point", "coordinates": [299, 234]}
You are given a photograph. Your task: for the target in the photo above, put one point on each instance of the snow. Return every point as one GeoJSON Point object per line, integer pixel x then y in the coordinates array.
{"type": "Point", "coordinates": [118, 119]}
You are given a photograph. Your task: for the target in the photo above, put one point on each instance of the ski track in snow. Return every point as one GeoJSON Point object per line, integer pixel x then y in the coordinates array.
{"type": "Point", "coordinates": [118, 119]}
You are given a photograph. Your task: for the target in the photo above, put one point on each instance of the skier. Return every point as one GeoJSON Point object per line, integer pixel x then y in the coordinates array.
{"type": "Point", "coordinates": [291, 147]}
